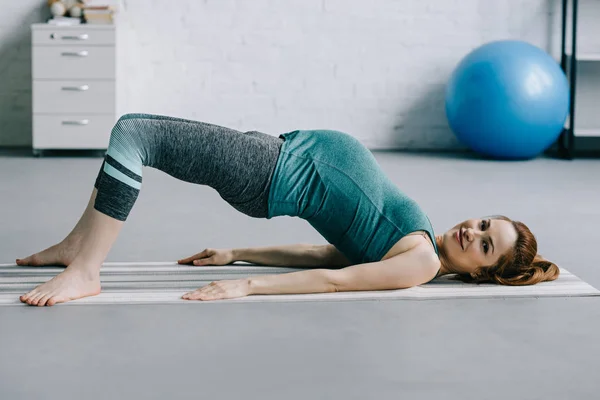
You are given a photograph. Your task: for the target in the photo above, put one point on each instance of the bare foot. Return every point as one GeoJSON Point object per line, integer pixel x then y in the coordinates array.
{"type": "Point", "coordinates": [62, 253]}
{"type": "Point", "coordinates": [73, 283]}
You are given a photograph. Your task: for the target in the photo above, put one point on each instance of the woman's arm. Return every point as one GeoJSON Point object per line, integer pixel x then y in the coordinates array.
{"type": "Point", "coordinates": [296, 255]}
{"type": "Point", "coordinates": [411, 268]}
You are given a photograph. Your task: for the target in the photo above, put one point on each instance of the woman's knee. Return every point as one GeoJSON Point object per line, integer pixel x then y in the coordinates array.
{"type": "Point", "coordinates": [120, 125]}
{"type": "Point", "coordinates": [133, 116]}
{"type": "Point", "coordinates": [127, 139]}
{"type": "Point", "coordinates": [125, 121]}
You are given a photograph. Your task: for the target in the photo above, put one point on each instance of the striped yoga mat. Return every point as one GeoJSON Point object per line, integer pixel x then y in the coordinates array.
{"type": "Point", "coordinates": [165, 282]}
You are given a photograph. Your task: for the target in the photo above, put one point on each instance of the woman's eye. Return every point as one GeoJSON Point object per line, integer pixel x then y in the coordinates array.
{"type": "Point", "coordinates": [483, 224]}
{"type": "Point", "coordinates": [485, 247]}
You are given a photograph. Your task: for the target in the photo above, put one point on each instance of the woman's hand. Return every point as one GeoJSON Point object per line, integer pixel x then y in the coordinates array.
{"type": "Point", "coordinates": [210, 257]}
{"type": "Point", "coordinates": [220, 290]}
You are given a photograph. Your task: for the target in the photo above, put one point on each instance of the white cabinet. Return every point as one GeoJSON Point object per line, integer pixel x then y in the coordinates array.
{"type": "Point", "coordinates": [74, 86]}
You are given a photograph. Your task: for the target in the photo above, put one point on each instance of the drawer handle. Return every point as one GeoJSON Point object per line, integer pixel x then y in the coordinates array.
{"type": "Point", "coordinates": [81, 88]}
{"type": "Point", "coordinates": [83, 36]}
{"type": "Point", "coordinates": [80, 122]}
{"type": "Point", "coordinates": [82, 53]}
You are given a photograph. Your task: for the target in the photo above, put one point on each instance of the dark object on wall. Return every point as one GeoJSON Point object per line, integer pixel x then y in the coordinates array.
{"type": "Point", "coordinates": [566, 140]}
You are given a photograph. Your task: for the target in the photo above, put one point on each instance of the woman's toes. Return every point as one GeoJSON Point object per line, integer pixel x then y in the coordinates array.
{"type": "Point", "coordinates": [71, 284]}
{"type": "Point", "coordinates": [34, 300]}
{"type": "Point", "coordinates": [44, 300]}
{"type": "Point", "coordinates": [25, 298]}
{"type": "Point", "coordinates": [59, 254]}
{"type": "Point", "coordinates": [24, 261]}
{"type": "Point", "coordinates": [53, 300]}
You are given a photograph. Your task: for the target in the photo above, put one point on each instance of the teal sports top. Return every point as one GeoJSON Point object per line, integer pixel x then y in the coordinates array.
{"type": "Point", "coordinates": [333, 181]}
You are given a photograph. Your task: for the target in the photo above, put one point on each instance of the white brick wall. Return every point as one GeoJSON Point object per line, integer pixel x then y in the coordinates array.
{"type": "Point", "coordinates": [15, 68]}
{"type": "Point", "coordinates": [373, 69]}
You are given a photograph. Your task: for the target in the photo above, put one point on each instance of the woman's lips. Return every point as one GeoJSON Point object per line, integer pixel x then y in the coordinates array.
{"type": "Point", "coordinates": [459, 237]}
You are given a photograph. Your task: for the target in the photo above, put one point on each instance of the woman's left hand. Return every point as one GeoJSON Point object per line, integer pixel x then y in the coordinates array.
{"type": "Point", "coordinates": [220, 290]}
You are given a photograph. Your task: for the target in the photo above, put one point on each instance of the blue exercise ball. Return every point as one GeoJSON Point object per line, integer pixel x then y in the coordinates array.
{"type": "Point", "coordinates": [507, 100]}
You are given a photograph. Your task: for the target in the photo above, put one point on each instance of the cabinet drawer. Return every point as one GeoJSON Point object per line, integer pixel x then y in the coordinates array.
{"type": "Point", "coordinates": [97, 97]}
{"type": "Point", "coordinates": [73, 62]}
{"type": "Point", "coordinates": [72, 131]}
{"type": "Point", "coordinates": [72, 35]}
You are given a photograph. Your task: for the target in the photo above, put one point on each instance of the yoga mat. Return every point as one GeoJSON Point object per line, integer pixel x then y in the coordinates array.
{"type": "Point", "coordinates": [165, 282]}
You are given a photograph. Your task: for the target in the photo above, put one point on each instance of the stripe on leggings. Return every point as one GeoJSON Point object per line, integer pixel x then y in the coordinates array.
{"type": "Point", "coordinates": [100, 174]}
{"type": "Point", "coordinates": [115, 173]}
{"type": "Point", "coordinates": [117, 151]}
{"type": "Point", "coordinates": [117, 165]}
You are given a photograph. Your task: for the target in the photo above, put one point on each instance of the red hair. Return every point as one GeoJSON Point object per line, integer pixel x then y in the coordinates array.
{"type": "Point", "coordinates": [522, 265]}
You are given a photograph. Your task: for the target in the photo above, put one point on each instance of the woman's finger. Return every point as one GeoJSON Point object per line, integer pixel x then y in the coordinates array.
{"type": "Point", "coordinates": [187, 260]}
{"type": "Point", "coordinates": [204, 261]}
{"type": "Point", "coordinates": [217, 290]}
{"type": "Point", "coordinates": [190, 259]}
{"type": "Point", "coordinates": [196, 294]}
{"type": "Point", "coordinates": [190, 296]}
{"type": "Point", "coordinates": [199, 294]}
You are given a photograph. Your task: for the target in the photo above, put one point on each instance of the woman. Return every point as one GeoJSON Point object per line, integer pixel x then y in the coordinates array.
{"type": "Point", "coordinates": [379, 237]}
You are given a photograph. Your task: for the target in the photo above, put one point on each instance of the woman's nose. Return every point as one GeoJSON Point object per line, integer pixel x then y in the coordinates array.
{"type": "Point", "coordinates": [469, 234]}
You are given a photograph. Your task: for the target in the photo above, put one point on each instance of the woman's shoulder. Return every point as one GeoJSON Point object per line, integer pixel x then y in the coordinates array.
{"type": "Point", "coordinates": [415, 242]}
{"type": "Point", "coordinates": [417, 255]}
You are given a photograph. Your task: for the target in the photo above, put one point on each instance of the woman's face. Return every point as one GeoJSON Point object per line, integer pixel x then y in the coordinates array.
{"type": "Point", "coordinates": [477, 243]}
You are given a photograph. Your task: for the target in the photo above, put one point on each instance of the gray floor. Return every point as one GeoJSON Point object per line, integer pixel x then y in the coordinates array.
{"type": "Point", "coordinates": [452, 349]}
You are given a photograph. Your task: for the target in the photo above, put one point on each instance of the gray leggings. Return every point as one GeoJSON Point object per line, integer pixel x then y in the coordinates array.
{"type": "Point", "coordinates": [238, 165]}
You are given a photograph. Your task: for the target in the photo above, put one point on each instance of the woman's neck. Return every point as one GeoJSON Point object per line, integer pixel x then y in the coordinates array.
{"type": "Point", "coordinates": [445, 268]}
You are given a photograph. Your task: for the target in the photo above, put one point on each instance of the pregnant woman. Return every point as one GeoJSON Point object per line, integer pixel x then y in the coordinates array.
{"type": "Point", "coordinates": [379, 238]}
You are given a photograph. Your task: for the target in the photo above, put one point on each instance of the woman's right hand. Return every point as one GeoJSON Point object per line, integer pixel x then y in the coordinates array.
{"type": "Point", "coordinates": [210, 257]}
